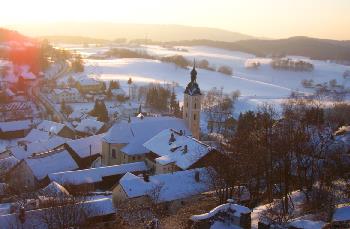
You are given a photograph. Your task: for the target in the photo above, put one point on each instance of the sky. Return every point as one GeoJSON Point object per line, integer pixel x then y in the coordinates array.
{"type": "Point", "coordinates": [261, 18]}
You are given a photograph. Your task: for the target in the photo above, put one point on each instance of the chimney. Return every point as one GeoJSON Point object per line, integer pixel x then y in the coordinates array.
{"type": "Point", "coordinates": [172, 138]}
{"type": "Point", "coordinates": [146, 177]}
{"type": "Point", "coordinates": [196, 176]}
{"type": "Point", "coordinates": [185, 149]}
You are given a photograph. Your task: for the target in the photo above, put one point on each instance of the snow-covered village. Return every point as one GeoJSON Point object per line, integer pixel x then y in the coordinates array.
{"type": "Point", "coordinates": [121, 122]}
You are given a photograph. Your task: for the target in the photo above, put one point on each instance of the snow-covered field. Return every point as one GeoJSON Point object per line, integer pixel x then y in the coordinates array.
{"type": "Point", "coordinates": [256, 86]}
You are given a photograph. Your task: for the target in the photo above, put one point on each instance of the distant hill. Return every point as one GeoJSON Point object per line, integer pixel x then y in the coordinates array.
{"type": "Point", "coordinates": [320, 49]}
{"type": "Point", "coordinates": [74, 39]}
{"type": "Point", "coordinates": [7, 35]}
{"type": "Point", "coordinates": [111, 31]}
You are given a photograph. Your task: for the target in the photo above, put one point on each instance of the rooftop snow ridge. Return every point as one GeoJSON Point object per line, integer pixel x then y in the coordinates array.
{"type": "Point", "coordinates": [46, 153]}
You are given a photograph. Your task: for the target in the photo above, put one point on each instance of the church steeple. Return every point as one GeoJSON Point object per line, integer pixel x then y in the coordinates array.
{"type": "Point", "coordinates": [192, 104]}
{"type": "Point", "coordinates": [192, 87]}
{"type": "Point", "coordinates": [194, 72]}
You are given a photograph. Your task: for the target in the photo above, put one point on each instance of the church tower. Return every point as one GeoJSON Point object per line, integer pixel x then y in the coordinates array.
{"type": "Point", "coordinates": [192, 104]}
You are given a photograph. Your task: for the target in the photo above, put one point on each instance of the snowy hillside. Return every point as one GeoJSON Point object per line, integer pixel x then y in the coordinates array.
{"type": "Point", "coordinates": [256, 85]}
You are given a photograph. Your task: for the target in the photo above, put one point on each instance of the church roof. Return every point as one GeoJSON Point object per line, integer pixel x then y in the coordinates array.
{"type": "Point", "coordinates": [192, 87]}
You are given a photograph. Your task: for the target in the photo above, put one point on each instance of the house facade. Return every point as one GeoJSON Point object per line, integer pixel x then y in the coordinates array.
{"type": "Point", "coordinates": [70, 95]}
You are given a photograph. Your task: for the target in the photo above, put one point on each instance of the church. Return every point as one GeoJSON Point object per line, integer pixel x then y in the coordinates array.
{"type": "Point", "coordinates": [165, 144]}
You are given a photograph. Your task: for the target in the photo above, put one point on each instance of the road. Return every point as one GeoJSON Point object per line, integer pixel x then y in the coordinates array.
{"type": "Point", "coordinates": [43, 101]}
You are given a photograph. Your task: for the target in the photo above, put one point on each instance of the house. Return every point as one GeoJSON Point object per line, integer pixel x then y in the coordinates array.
{"type": "Point", "coordinates": [227, 215]}
{"type": "Point", "coordinates": [16, 110]}
{"type": "Point", "coordinates": [85, 150]}
{"type": "Point", "coordinates": [171, 151]}
{"type": "Point", "coordinates": [100, 178]}
{"type": "Point", "coordinates": [54, 190]}
{"type": "Point", "coordinates": [123, 143]}
{"type": "Point", "coordinates": [26, 149]}
{"type": "Point", "coordinates": [56, 128]}
{"type": "Point", "coordinates": [68, 95]}
{"type": "Point", "coordinates": [28, 76]}
{"type": "Point", "coordinates": [306, 224]}
{"type": "Point", "coordinates": [15, 129]}
{"type": "Point", "coordinates": [118, 92]}
{"type": "Point", "coordinates": [341, 217]}
{"type": "Point", "coordinates": [32, 171]}
{"type": "Point", "coordinates": [89, 127]}
{"type": "Point", "coordinates": [172, 188]}
{"type": "Point", "coordinates": [97, 213]}
{"type": "Point", "coordinates": [7, 164]}
{"type": "Point", "coordinates": [89, 85]}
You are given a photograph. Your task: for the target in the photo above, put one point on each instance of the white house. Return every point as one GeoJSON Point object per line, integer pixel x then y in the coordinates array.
{"type": "Point", "coordinates": [171, 151]}
{"type": "Point", "coordinates": [90, 126]}
{"type": "Point", "coordinates": [69, 95]}
{"type": "Point", "coordinates": [31, 171]}
{"type": "Point", "coordinates": [100, 176]}
{"type": "Point", "coordinates": [56, 128]}
{"type": "Point", "coordinates": [123, 143]}
{"type": "Point", "coordinates": [170, 187]}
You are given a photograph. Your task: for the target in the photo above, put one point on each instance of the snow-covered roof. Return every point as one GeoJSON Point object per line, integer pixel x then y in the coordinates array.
{"type": "Point", "coordinates": [138, 131]}
{"type": "Point", "coordinates": [36, 135]}
{"type": "Point", "coordinates": [174, 186]}
{"type": "Point", "coordinates": [175, 151]}
{"type": "Point", "coordinates": [59, 91]}
{"type": "Point", "coordinates": [88, 81]}
{"type": "Point", "coordinates": [89, 126]}
{"type": "Point", "coordinates": [78, 114]}
{"type": "Point", "coordinates": [50, 126]}
{"type": "Point", "coordinates": [9, 92]}
{"type": "Point", "coordinates": [307, 224]}
{"type": "Point", "coordinates": [238, 210]}
{"type": "Point", "coordinates": [28, 75]}
{"type": "Point", "coordinates": [51, 162]}
{"type": "Point", "coordinates": [341, 214]}
{"type": "Point", "coordinates": [39, 146]}
{"type": "Point", "coordinates": [35, 219]}
{"type": "Point", "coordinates": [95, 175]}
{"type": "Point", "coordinates": [54, 189]}
{"type": "Point", "coordinates": [15, 125]}
{"type": "Point", "coordinates": [82, 145]}
{"type": "Point", "coordinates": [7, 163]}
{"type": "Point", "coordinates": [118, 91]}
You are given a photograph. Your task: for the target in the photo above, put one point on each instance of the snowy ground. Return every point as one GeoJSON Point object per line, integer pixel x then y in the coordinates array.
{"type": "Point", "coordinates": [256, 86]}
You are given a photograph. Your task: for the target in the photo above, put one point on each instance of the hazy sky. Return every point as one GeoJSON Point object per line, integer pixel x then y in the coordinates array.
{"type": "Point", "coordinates": [267, 18]}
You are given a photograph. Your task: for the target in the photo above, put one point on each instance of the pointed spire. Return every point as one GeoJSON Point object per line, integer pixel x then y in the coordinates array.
{"type": "Point", "coordinates": [194, 72]}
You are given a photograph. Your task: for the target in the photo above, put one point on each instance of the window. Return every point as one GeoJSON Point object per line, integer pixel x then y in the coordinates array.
{"type": "Point", "coordinates": [194, 117]}
{"type": "Point", "coordinates": [133, 158]}
{"type": "Point", "coordinates": [195, 105]}
{"type": "Point", "coordinates": [186, 115]}
{"type": "Point", "coordinates": [187, 104]}
{"type": "Point", "coordinates": [114, 154]}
